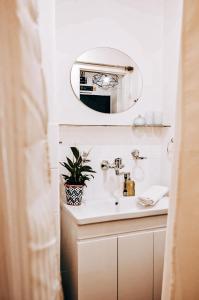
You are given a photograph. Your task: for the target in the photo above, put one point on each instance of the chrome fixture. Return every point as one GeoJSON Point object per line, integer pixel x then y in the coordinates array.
{"type": "Point", "coordinates": [105, 80]}
{"type": "Point", "coordinates": [136, 154]}
{"type": "Point", "coordinates": [169, 145]}
{"type": "Point", "coordinates": [117, 165]}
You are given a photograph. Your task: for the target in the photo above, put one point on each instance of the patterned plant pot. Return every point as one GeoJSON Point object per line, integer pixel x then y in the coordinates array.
{"type": "Point", "coordinates": [74, 194]}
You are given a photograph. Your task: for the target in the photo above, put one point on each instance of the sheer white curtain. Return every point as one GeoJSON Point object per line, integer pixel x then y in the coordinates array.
{"type": "Point", "coordinates": [181, 272]}
{"type": "Point", "coordinates": [28, 239]}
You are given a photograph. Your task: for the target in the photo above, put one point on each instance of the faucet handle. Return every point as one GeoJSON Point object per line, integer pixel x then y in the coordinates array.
{"type": "Point", "coordinates": [136, 154]}
{"type": "Point", "coordinates": [105, 165]}
{"type": "Point", "coordinates": [118, 163]}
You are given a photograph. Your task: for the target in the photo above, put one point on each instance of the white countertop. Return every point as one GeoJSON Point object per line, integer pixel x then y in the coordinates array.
{"type": "Point", "coordinates": [104, 211]}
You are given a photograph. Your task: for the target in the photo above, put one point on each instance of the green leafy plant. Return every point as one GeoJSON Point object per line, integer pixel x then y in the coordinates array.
{"type": "Point", "coordinates": [78, 172]}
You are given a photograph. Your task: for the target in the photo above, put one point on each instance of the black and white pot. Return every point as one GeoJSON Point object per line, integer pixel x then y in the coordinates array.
{"type": "Point", "coordinates": [74, 194]}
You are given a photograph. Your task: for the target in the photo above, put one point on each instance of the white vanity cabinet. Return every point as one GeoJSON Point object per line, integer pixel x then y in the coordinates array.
{"type": "Point", "coordinates": [159, 248]}
{"type": "Point", "coordinates": [135, 266]}
{"type": "Point", "coordinates": [140, 265]}
{"type": "Point", "coordinates": [97, 269]}
{"type": "Point", "coordinates": [117, 260]}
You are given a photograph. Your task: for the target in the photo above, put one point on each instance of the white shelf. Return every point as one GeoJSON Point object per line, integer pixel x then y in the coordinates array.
{"type": "Point", "coordinates": [153, 125]}
{"type": "Point", "coordinates": [119, 125]}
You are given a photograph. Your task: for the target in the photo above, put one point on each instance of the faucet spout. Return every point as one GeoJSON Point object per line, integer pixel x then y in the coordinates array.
{"type": "Point", "coordinates": [117, 165]}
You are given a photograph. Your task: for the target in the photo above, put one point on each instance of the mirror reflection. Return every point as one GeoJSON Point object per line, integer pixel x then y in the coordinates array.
{"type": "Point", "coordinates": [106, 80]}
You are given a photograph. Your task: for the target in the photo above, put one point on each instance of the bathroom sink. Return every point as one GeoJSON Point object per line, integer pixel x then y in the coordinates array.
{"type": "Point", "coordinates": [106, 210]}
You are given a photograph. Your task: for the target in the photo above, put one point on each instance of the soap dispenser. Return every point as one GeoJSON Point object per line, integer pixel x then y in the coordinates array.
{"type": "Point", "coordinates": [129, 186]}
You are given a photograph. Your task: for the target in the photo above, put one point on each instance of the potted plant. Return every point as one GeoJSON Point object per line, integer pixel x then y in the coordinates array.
{"type": "Point", "coordinates": [77, 175]}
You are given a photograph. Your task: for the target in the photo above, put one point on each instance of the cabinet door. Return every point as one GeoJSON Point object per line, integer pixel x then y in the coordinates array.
{"type": "Point", "coordinates": [97, 269]}
{"type": "Point", "coordinates": [159, 247]}
{"type": "Point", "coordinates": [135, 266]}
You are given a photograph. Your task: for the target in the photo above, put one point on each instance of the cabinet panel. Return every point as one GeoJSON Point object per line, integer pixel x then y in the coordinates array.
{"type": "Point", "coordinates": [159, 249]}
{"type": "Point", "coordinates": [97, 269]}
{"type": "Point", "coordinates": [135, 266]}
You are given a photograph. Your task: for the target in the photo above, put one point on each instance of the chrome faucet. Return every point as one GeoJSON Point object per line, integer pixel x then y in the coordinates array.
{"type": "Point", "coordinates": [136, 154]}
{"type": "Point", "coordinates": [117, 165]}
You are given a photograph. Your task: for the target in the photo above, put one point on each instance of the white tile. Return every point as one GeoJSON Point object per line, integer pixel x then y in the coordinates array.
{"type": "Point", "coordinates": [145, 172]}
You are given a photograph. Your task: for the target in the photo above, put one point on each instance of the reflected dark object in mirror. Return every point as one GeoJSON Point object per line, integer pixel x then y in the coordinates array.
{"type": "Point", "coordinates": [98, 103]}
{"type": "Point", "coordinates": [83, 79]}
{"type": "Point", "coordinates": [86, 88]}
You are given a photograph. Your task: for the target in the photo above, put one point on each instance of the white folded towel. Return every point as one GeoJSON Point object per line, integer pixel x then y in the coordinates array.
{"type": "Point", "coordinates": [152, 195]}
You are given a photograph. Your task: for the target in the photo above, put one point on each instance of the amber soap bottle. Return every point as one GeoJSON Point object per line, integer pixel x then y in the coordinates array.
{"type": "Point", "coordinates": [129, 186]}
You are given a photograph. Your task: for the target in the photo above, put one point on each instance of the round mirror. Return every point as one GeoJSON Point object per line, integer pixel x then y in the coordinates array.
{"type": "Point", "coordinates": [106, 80]}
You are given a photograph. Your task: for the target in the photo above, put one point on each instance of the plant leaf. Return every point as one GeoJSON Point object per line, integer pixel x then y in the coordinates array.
{"type": "Point", "coordinates": [79, 160]}
{"type": "Point", "coordinates": [71, 164]}
{"type": "Point", "coordinates": [67, 167]}
{"type": "Point", "coordinates": [65, 176]}
{"type": "Point", "coordinates": [87, 169]}
{"type": "Point", "coordinates": [78, 172]}
{"type": "Point", "coordinates": [64, 164]}
{"type": "Point", "coordinates": [75, 152]}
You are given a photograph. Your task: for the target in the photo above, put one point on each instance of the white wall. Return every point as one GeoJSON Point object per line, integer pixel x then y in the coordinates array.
{"type": "Point", "coordinates": [172, 34]}
{"type": "Point", "coordinates": [148, 31]}
{"type": "Point", "coordinates": [134, 27]}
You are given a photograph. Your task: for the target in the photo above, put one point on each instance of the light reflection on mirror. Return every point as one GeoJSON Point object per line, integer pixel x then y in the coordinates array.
{"type": "Point", "coordinates": [106, 80]}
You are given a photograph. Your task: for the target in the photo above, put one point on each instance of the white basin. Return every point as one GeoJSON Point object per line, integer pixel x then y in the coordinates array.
{"type": "Point", "coordinates": [106, 210]}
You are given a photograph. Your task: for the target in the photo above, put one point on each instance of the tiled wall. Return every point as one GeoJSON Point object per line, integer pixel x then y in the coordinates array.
{"type": "Point", "coordinates": [108, 143]}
